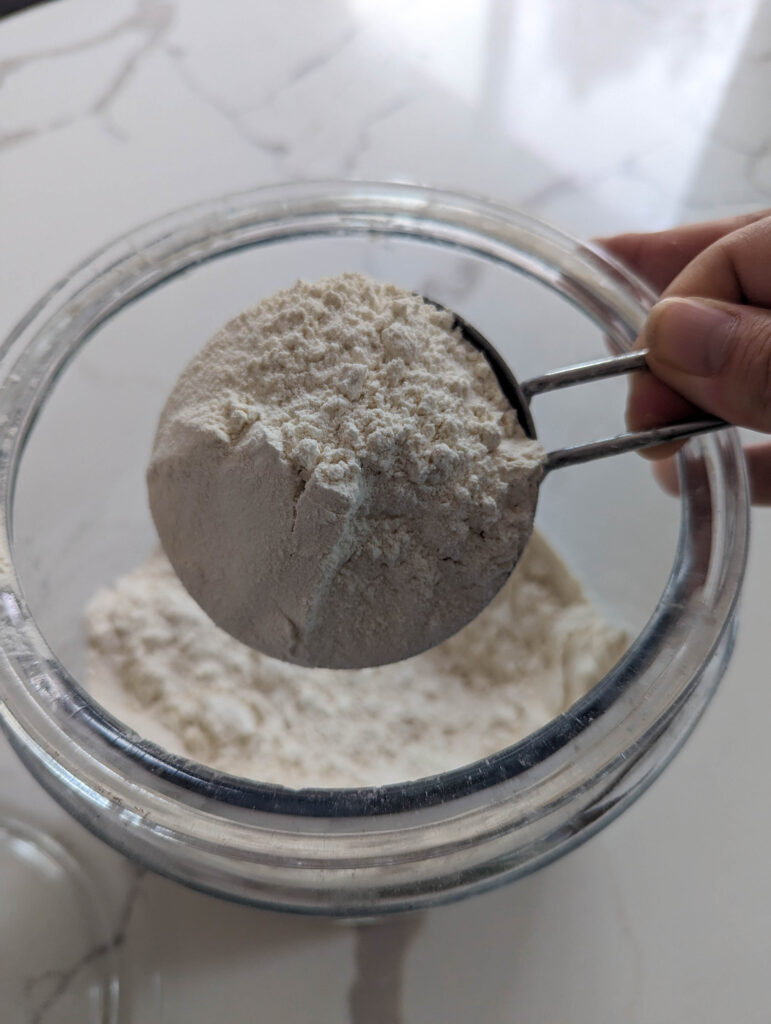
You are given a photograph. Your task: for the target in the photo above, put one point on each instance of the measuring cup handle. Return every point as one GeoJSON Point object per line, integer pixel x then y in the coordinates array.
{"type": "Point", "coordinates": [581, 373]}
{"type": "Point", "coordinates": [629, 442]}
{"type": "Point", "coordinates": [598, 369]}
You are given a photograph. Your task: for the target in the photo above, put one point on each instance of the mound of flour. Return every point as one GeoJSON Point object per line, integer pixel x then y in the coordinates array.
{"type": "Point", "coordinates": [337, 478]}
{"type": "Point", "coordinates": [157, 662]}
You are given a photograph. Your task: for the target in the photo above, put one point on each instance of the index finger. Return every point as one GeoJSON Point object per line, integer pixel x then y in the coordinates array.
{"type": "Point", "coordinates": [659, 256]}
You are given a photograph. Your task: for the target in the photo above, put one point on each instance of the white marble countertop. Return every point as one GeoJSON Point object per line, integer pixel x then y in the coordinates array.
{"type": "Point", "coordinates": [599, 116]}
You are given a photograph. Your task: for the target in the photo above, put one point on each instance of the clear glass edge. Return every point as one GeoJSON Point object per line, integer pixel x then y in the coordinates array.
{"type": "Point", "coordinates": [427, 201]}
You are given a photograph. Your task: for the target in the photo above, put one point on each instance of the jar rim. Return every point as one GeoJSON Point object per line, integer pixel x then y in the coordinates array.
{"type": "Point", "coordinates": [53, 720]}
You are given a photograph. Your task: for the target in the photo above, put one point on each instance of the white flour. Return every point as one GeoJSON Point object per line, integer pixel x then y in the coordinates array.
{"type": "Point", "coordinates": [337, 478]}
{"type": "Point", "coordinates": [160, 664]}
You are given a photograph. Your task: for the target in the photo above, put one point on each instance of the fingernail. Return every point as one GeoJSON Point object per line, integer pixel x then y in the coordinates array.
{"type": "Point", "coordinates": [690, 335]}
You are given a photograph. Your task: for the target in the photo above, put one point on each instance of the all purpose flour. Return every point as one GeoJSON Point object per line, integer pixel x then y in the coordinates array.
{"type": "Point", "coordinates": [161, 665]}
{"type": "Point", "coordinates": [337, 478]}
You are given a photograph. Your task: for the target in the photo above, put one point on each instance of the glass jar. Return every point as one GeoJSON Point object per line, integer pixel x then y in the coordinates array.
{"type": "Point", "coordinates": [83, 378]}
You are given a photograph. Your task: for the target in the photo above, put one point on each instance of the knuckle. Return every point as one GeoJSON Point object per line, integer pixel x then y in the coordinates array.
{"type": "Point", "coordinates": [753, 363]}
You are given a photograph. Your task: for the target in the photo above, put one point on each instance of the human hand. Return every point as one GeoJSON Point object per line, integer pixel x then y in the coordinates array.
{"type": "Point", "coordinates": [708, 336]}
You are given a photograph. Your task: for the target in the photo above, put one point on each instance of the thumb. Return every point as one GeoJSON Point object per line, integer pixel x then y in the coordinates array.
{"type": "Point", "coordinates": [715, 354]}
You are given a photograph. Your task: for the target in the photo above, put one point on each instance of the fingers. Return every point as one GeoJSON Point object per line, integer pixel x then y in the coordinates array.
{"type": "Point", "coordinates": [667, 476]}
{"type": "Point", "coordinates": [651, 403]}
{"type": "Point", "coordinates": [734, 268]}
{"type": "Point", "coordinates": [709, 337]}
{"type": "Point", "coordinates": [661, 255]}
{"type": "Point", "coordinates": [758, 469]}
{"type": "Point", "coordinates": [717, 355]}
